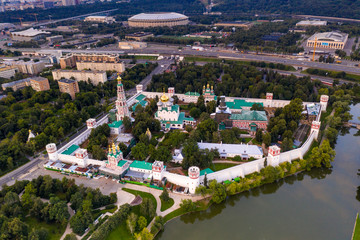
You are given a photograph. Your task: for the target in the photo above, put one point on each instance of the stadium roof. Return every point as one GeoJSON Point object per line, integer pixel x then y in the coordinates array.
{"type": "Point", "coordinates": [330, 36]}
{"type": "Point", "coordinates": [312, 23]}
{"type": "Point", "coordinates": [157, 16]}
{"type": "Point", "coordinates": [31, 32]}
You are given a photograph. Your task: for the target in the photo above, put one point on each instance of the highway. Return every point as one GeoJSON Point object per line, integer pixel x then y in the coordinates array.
{"type": "Point", "coordinates": [15, 174]}
{"type": "Point", "coordinates": [218, 54]}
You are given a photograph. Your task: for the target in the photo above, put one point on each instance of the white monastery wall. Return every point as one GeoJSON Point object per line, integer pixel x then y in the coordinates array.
{"type": "Point", "coordinates": [177, 179]}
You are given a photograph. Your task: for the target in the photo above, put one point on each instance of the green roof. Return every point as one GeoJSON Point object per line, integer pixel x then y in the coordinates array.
{"type": "Point", "coordinates": [174, 108]}
{"type": "Point", "coordinates": [222, 126]}
{"type": "Point", "coordinates": [192, 94]}
{"type": "Point", "coordinates": [141, 165]}
{"type": "Point", "coordinates": [71, 149]}
{"type": "Point", "coordinates": [240, 103]}
{"type": "Point", "coordinates": [249, 115]}
{"type": "Point", "coordinates": [115, 124]}
{"type": "Point", "coordinates": [121, 163]}
{"type": "Point", "coordinates": [140, 97]}
{"type": "Point", "coordinates": [180, 120]}
{"type": "Point", "coordinates": [143, 103]}
{"type": "Point", "coordinates": [207, 171]}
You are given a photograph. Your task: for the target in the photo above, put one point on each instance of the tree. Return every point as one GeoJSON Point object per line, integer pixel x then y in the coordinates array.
{"type": "Point", "coordinates": [195, 112]}
{"type": "Point", "coordinates": [219, 192]}
{"type": "Point", "coordinates": [76, 201]}
{"type": "Point", "coordinates": [59, 211]}
{"type": "Point", "coordinates": [165, 195]}
{"type": "Point", "coordinates": [70, 236]}
{"type": "Point", "coordinates": [131, 222]}
{"type": "Point", "coordinates": [38, 234]}
{"type": "Point", "coordinates": [141, 223]}
{"type": "Point", "coordinates": [257, 107]}
{"type": "Point", "coordinates": [267, 139]}
{"type": "Point", "coordinates": [144, 235]}
{"type": "Point", "coordinates": [15, 229]}
{"type": "Point", "coordinates": [139, 151]}
{"type": "Point", "coordinates": [98, 152]}
{"type": "Point", "coordinates": [28, 197]}
{"type": "Point", "coordinates": [147, 208]}
{"type": "Point", "coordinates": [127, 123]}
{"type": "Point", "coordinates": [187, 205]}
{"type": "Point", "coordinates": [163, 154]}
{"type": "Point", "coordinates": [259, 135]}
{"type": "Point", "coordinates": [211, 107]}
{"type": "Point", "coordinates": [323, 155]}
{"type": "Point", "coordinates": [287, 144]}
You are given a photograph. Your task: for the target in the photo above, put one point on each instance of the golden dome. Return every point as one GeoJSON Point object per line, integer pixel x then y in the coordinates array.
{"type": "Point", "coordinates": [119, 78]}
{"type": "Point", "coordinates": [164, 98]}
{"type": "Point", "coordinates": [208, 86]}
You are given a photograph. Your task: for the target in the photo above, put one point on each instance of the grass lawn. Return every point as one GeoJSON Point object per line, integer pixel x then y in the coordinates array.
{"type": "Point", "coordinates": [166, 205]}
{"type": "Point", "coordinates": [356, 234]}
{"type": "Point", "coordinates": [146, 57]}
{"type": "Point", "coordinates": [120, 232]}
{"type": "Point", "coordinates": [221, 166]}
{"type": "Point", "coordinates": [202, 59]}
{"type": "Point", "coordinates": [247, 140]}
{"type": "Point", "coordinates": [55, 230]}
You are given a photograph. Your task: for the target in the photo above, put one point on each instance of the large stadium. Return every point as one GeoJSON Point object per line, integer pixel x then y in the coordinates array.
{"type": "Point", "coordinates": [158, 20]}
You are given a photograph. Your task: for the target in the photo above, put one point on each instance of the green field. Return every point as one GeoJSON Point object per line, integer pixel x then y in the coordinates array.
{"type": "Point", "coordinates": [333, 74]}
{"type": "Point", "coordinates": [166, 205]}
{"type": "Point", "coordinates": [356, 233]}
{"type": "Point", "coordinates": [221, 166]}
{"type": "Point", "coordinates": [55, 230]}
{"type": "Point", "coordinates": [120, 232]}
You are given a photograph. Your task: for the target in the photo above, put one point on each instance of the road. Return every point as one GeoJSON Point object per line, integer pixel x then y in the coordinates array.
{"type": "Point", "coordinates": [284, 59]}
{"type": "Point", "coordinates": [15, 174]}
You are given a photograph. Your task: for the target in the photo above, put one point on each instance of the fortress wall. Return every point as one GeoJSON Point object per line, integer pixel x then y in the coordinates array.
{"type": "Point", "coordinates": [177, 179]}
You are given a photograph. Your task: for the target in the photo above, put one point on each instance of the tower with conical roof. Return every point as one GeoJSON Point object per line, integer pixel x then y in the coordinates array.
{"type": "Point", "coordinates": [122, 109]}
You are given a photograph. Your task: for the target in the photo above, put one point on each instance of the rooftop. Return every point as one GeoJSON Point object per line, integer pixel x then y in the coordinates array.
{"type": "Point", "coordinates": [140, 97]}
{"type": "Point", "coordinates": [157, 16]}
{"type": "Point", "coordinates": [71, 149]}
{"type": "Point", "coordinates": [206, 171]}
{"type": "Point", "coordinates": [192, 94]}
{"type": "Point", "coordinates": [240, 103]}
{"type": "Point", "coordinates": [311, 22]}
{"type": "Point", "coordinates": [180, 120]}
{"type": "Point", "coordinates": [122, 163]}
{"type": "Point", "coordinates": [115, 124]}
{"type": "Point", "coordinates": [249, 115]}
{"type": "Point", "coordinates": [67, 80]}
{"type": "Point", "coordinates": [237, 149]}
{"type": "Point", "coordinates": [31, 32]}
{"type": "Point", "coordinates": [141, 165]}
{"type": "Point", "coordinates": [330, 36]}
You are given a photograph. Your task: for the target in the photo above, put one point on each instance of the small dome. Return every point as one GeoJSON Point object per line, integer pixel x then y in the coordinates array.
{"type": "Point", "coordinates": [164, 98]}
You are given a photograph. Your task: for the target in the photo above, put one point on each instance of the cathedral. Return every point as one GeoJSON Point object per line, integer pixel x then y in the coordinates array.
{"type": "Point", "coordinates": [170, 116]}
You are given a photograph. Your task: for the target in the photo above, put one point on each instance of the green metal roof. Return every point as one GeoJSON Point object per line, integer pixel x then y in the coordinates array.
{"type": "Point", "coordinates": [121, 163]}
{"type": "Point", "coordinates": [140, 97]}
{"type": "Point", "coordinates": [240, 103]}
{"type": "Point", "coordinates": [249, 115]}
{"type": "Point", "coordinates": [222, 126]}
{"type": "Point", "coordinates": [143, 103]}
{"type": "Point", "coordinates": [192, 94]}
{"type": "Point", "coordinates": [207, 171]}
{"type": "Point", "coordinates": [71, 149]}
{"type": "Point", "coordinates": [141, 165]}
{"type": "Point", "coordinates": [174, 108]}
{"type": "Point", "coordinates": [115, 124]}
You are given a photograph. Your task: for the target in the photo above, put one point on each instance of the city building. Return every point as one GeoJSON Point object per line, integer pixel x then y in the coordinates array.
{"type": "Point", "coordinates": [308, 23]}
{"type": "Point", "coordinates": [245, 151]}
{"type": "Point", "coordinates": [95, 77]}
{"type": "Point", "coordinates": [28, 35]}
{"type": "Point", "coordinates": [158, 20]}
{"type": "Point", "coordinates": [138, 36]}
{"type": "Point", "coordinates": [240, 118]}
{"type": "Point", "coordinates": [30, 67]}
{"type": "Point", "coordinates": [53, 39]}
{"type": "Point", "coordinates": [69, 86]}
{"type": "Point", "coordinates": [332, 40]}
{"type": "Point", "coordinates": [132, 45]}
{"type": "Point", "coordinates": [8, 71]}
{"type": "Point", "coordinates": [140, 100]}
{"type": "Point", "coordinates": [93, 61]}
{"type": "Point", "coordinates": [99, 19]}
{"type": "Point", "coordinates": [170, 116]}
{"type": "Point", "coordinates": [39, 84]}
{"type": "Point", "coordinates": [237, 105]}
{"type": "Point", "coordinates": [245, 25]}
